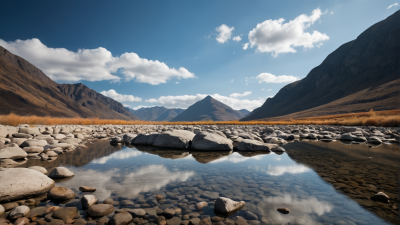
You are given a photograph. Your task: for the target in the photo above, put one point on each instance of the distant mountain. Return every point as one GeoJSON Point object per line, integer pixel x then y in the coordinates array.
{"type": "Point", "coordinates": [26, 90]}
{"type": "Point", "coordinates": [359, 75]}
{"type": "Point", "coordinates": [208, 109]}
{"type": "Point", "coordinates": [156, 113]}
{"type": "Point", "coordinates": [244, 112]}
{"type": "Point", "coordinates": [169, 114]}
{"type": "Point", "coordinates": [104, 106]}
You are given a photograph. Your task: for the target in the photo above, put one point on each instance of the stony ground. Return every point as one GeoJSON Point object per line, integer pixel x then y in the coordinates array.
{"type": "Point", "coordinates": [25, 194]}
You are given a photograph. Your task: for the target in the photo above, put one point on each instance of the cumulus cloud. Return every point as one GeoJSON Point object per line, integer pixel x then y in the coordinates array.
{"type": "Point", "coordinates": [119, 97]}
{"type": "Point", "coordinates": [225, 33]}
{"type": "Point", "coordinates": [236, 95]}
{"type": "Point", "coordinates": [270, 78]}
{"type": "Point", "coordinates": [237, 38]}
{"type": "Point", "coordinates": [280, 170]}
{"type": "Point", "coordinates": [92, 64]}
{"type": "Point", "coordinates": [184, 101]}
{"type": "Point", "coordinates": [277, 37]}
{"type": "Point", "coordinates": [246, 46]}
{"type": "Point", "coordinates": [124, 154]}
{"type": "Point", "coordinates": [393, 5]}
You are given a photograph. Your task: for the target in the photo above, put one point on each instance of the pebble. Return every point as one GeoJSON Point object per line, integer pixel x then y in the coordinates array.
{"type": "Point", "coordinates": [60, 194]}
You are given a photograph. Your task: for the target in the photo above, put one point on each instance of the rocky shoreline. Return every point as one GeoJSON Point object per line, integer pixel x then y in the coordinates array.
{"type": "Point", "coordinates": [28, 195]}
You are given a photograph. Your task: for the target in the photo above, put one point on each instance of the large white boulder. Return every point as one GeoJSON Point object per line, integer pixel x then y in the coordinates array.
{"type": "Point", "coordinates": [17, 183]}
{"type": "Point", "coordinates": [174, 139]}
{"type": "Point", "coordinates": [29, 130]}
{"type": "Point", "coordinates": [211, 141]}
{"type": "Point", "coordinates": [253, 145]}
{"type": "Point", "coordinates": [13, 152]}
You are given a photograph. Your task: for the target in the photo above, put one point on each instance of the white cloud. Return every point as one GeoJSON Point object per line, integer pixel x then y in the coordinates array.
{"type": "Point", "coordinates": [236, 95]}
{"type": "Point", "coordinates": [225, 33]}
{"type": "Point", "coordinates": [92, 64]}
{"type": "Point", "coordinates": [246, 46]}
{"type": "Point", "coordinates": [124, 154]}
{"type": "Point", "coordinates": [184, 101]}
{"type": "Point", "coordinates": [143, 106]}
{"type": "Point", "coordinates": [393, 5]}
{"type": "Point", "coordinates": [277, 37]}
{"type": "Point", "coordinates": [237, 38]}
{"type": "Point", "coordinates": [270, 78]}
{"type": "Point", "coordinates": [177, 82]}
{"type": "Point", "coordinates": [119, 97]}
{"type": "Point", "coordinates": [280, 170]}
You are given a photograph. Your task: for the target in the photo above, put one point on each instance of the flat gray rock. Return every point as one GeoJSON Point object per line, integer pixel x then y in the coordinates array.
{"type": "Point", "coordinates": [253, 145]}
{"type": "Point", "coordinates": [13, 152]}
{"type": "Point", "coordinates": [227, 206]}
{"type": "Point", "coordinates": [61, 172]}
{"type": "Point", "coordinates": [211, 141]}
{"type": "Point", "coordinates": [178, 139]}
{"type": "Point", "coordinates": [17, 183]}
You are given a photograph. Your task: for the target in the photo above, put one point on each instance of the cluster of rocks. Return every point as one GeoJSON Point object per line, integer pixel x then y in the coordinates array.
{"type": "Point", "coordinates": [29, 203]}
{"type": "Point", "coordinates": [46, 142]}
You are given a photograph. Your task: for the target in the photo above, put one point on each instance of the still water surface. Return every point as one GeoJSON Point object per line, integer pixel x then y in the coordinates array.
{"type": "Point", "coordinates": [321, 183]}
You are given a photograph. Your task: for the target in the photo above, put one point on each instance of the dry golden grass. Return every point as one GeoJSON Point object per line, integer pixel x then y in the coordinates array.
{"type": "Point", "coordinates": [390, 118]}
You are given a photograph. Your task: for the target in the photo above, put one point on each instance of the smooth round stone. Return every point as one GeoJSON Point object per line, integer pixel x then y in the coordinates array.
{"type": "Point", "coordinates": [201, 205]}
{"type": "Point", "coordinates": [17, 183]}
{"type": "Point", "coordinates": [10, 205]}
{"type": "Point", "coordinates": [61, 172]}
{"type": "Point", "coordinates": [51, 154]}
{"type": "Point", "coordinates": [100, 210]}
{"type": "Point", "coordinates": [283, 210]}
{"type": "Point", "coordinates": [174, 221]}
{"type": "Point", "coordinates": [22, 221]}
{"type": "Point", "coordinates": [65, 214]}
{"type": "Point", "coordinates": [60, 194]}
{"type": "Point", "coordinates": [20, 211]}
{"type": "Point", "coordinates": [87, 189]}
{"type": "Point", "coordinates": [39, 168]}
{"type": "Point", "coordinates": [122, 218]}
{"type": "Point", "coordinates": [88, 200]}
{"type": "Point", "coordinates": [2, 210]}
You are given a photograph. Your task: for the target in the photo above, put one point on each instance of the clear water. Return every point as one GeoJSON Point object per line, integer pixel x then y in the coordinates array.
{"type": "Point", "coordinates": [295, 179]}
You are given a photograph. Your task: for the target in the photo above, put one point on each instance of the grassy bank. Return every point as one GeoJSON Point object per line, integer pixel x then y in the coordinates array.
{"type": "Point", "coordinates": [389, 118]}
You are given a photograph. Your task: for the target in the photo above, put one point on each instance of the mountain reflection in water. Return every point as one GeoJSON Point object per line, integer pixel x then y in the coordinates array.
{"type": "Point", "coordinates": [264, 181]}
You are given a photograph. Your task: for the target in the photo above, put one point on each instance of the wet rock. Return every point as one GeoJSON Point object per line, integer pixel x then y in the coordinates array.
{"type": "Point", "coordinates": [227, 206]}
{"type": "Point", "coordinates": [18, 212]}
{"type": "Point", "coordinates": [159, 197]}
{"type": "Point", "coordinates": [17, 183]}
{"type": "Point", "coordinates": [55, 222]}
{"type": "Point", "coordinates": [65, 214]}
{"type": "Point", "coordinates": [61, 172]}
{"type": "Point", "coordinates": [210, 141]}
{"type": "Point", "coordinates": [60, 194]}
{"type": "Point", "coordinates": [100, 210]}
{"type": "Point", "coordinates": [174, 139]}
{"type": "Point", "coordinates": [205, 221]}
{"type": "Point", "coordinates": [382, 197]}
{"type": "Point", "coordinates": [34, 142]}
{"type": "Point", "coordinates": [253, 145]}
{"type": "Point", "coordinates": [140, 139]}
{"type": "Point", "coordinates": [122, 218]}
{"type": "Point", "coordinates": [240, 220]}
{"type": "Point", "coordinates": [278, 149]}
{"type": "Point", "coordinates": [88, 200]}
{"type": "Point", "coordinates": [80, 222]}
{"type": "Point", "coordinates": [87, 189]}
{"type": "Point", "coordinates": [39, 168]}
{"type": "Point", "coordinates": [250, 216]}
{"type": "Point", "coordinates": [194, 221]}
{"type": "Point", "coordinates": [201, 205]}
{"type": "Point", "coordinates": [38, 211]}
{"type": "Point", "coordinates": [127, 138]}
{"type": "Point", "coordinates": [374, 140]}
{"type": "Point", "coordinates": [21, 221]}
{"type": "Point", "coordinates": [2, 210]}
{"type": "Point", "coordinates": [12, 152]}
{"type": "Point", "coordinates": [174, 221]}
{"type": "Point", "coordinates": [10, 205]}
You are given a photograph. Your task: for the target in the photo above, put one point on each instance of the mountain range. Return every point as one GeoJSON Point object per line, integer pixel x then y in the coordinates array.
{"type": "Point", "coordinates": [157, 113]}
{"type": "Point", "coordinates": [26, 90]}
{"type": "Point", "coordinates": [359, 75]}
{"type": "Point", "coordinates": [210, 109]}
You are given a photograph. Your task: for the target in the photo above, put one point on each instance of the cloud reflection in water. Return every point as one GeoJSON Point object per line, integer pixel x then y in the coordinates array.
{"type": "Point", "coordinates": [147, 178]}
{"type": "Point", "coordinates": [124, 154]}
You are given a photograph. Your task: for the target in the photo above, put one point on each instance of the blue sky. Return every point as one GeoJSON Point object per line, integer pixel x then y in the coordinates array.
{"type": "Point", "coordinates": [174, 53]}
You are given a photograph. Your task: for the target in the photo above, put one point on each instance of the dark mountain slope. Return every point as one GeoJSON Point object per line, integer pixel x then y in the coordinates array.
{"type": "Point", "coordinates": [26, 90]}
{"type": "Point", "coordinates": [364, 64]}
{"type": "Point", "coordinates": [156, 113]}
{"type": "Point", "coordinates": [208, 109]}
{"type": "Point", "coordinates": [99, 104]}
